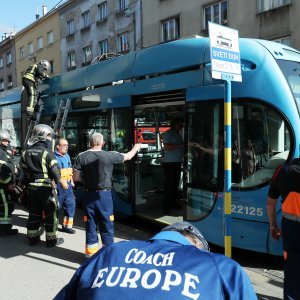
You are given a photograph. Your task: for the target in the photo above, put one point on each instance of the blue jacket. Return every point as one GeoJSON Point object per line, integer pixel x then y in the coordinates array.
{"type": "Point", "coordinates": [166, 266]}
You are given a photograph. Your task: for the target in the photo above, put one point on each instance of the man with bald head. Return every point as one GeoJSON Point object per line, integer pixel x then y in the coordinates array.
{"type": "Point", "coordinates": [94, 168]}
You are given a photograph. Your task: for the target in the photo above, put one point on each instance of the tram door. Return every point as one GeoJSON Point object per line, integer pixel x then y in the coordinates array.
{"type": "Point", "coordinates": [150, 124]}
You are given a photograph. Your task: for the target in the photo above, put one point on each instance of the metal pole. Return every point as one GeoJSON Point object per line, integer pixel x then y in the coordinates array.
{"type": "Point", "coordinates": [134, 31]}
{"type": "Point", "coordinates": [227, 169]}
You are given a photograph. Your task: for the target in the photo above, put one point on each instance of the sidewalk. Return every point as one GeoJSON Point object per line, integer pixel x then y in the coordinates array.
{"type": "Point", "coordinates": [38, 273]}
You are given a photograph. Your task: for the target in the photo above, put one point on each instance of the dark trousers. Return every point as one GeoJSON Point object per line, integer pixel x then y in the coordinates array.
{"type": "Point", "coordinates": [98, 210]}
{"type": "Point", "coordinates": [7, 206]}
{"type": "Point", "coordinates": [66, 201]}
{"type": "Point", "coordinates": [291, 246]}
{"type": "Point", "coordinates": [31, 92]}
{"type": "Point", "coordinates": [172, 176]}
{"type": "Point", "coordinates": [42, 208]}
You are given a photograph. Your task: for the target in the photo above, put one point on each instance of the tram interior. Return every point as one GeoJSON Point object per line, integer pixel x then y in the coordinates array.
{"type": "Point", "coordinates": [150, 124]}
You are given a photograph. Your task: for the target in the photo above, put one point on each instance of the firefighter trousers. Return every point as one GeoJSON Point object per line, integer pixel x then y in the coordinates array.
{"type": "Point", "coordinates": [7, 206]}
{"type": "Point", "coordinates": [42, 209]}
{"type": "Point", "coordinates": [32, 93]}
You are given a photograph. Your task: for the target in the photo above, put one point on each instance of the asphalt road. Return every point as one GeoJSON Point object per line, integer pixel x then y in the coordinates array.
{"type": "Point", "coordinates": [38, 273]}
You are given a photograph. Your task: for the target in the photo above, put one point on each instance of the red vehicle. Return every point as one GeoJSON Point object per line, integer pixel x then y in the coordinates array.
{"type": "Point", "coordinates": [147, 135]}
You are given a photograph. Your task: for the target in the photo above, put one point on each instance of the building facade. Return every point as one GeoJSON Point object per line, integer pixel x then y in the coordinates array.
{"type": "Point", "coordinates": [91, 28]}
{"type": "Point", "coordinates": [7, 63]}
{"type": "Point", "coordinates": [166, 20]}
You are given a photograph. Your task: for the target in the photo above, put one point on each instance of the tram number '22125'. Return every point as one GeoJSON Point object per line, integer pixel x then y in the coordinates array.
{"type": "Point", "coordinates": [247, 210]}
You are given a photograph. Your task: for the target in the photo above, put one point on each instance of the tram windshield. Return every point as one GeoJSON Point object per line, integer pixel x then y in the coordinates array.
{"type": "Point", "coordinates": [291, 71]}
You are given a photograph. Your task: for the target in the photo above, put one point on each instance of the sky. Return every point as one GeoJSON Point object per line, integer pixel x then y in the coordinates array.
{"type": "Point", "coordinates": [18, 14]}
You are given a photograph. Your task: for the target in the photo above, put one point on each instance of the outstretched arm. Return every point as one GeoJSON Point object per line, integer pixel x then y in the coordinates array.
{"type": "Point", "coordinates": [129, 155]}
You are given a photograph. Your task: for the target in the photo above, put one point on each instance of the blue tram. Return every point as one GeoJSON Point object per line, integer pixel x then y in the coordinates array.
{"type": "Point", "coordinates": [133, 97]}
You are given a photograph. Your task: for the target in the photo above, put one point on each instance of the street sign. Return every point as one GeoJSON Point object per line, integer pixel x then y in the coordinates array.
{"type": "Point", "coordinates": [224, 52]}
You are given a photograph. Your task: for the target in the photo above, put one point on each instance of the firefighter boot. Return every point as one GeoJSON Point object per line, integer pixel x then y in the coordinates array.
{"type": "Point", "coordinates": [54, 242]}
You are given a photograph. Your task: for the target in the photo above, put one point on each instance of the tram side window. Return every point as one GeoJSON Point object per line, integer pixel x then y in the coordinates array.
{"type": "Point", "coordinates": [119, 130]}
{"type": "Point", "coordinates": [261, 141]}
{"type": "Point", "coordinates": [71, 134]}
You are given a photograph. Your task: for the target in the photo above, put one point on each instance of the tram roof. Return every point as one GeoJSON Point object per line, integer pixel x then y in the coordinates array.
{"type": "Point", "coordinates": [172, 57]}
{"type": "Point", "coordinates": [10, 96]}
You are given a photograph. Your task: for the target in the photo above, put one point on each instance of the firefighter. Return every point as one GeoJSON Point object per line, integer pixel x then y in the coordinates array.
{"type": "Point", "coordinates": [285, 184]}
{"type": "Point", "coordinates": [34, 73]}
{"type": "Point", "coordinates": [66, 198]}
{"type": "Point", "coordinates": [7, 186]}
{"type": "Point", "coordinates": [41, 174]}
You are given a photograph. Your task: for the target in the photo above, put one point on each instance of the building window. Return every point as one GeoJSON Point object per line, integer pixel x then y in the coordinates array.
{"type": "Point", "coordinates": [102, 11]}
{"type": "Point", "coordinates": [1, 62]}
{"type": "Point", "coordinates": [51, 66]}
{"type": "Point", "coordinates": [1, 84]}
{"type": "Point", "coordinates": [265, 5]}
{"type": "Point", "coordinates": [22, 53]}
{"type": "Point", "coordinates": [170, 30]}
{"type": "Point", "coordinates": [216, 13]}
{"type": "Point", "coordinates": [50, 38]}
{"type": "Point", "coordinates": [40, 43]}
{"type": "Point", "coordinates": [103, 47]}
{"type": "Point", "coordinates": [123, 4]}
{"type": "Point", "coordinates": [9, 80]}
{"type": "Point", "coordinates": [87, 54]}
{"type": "Point", "coordinates": [123, 42]}
{"type": "Point", "coordinates": [287, 40]}
{"type": "Point", "coordinates": [8, 58]}
{"type": "Point", "coordinates": [71, 60]}
{"type": "Point", "coordinates": [86, 19]}
{"type": "Point", "coordinates": [70, 27]}
{"type": "Point", "coordinates": [30, 48]}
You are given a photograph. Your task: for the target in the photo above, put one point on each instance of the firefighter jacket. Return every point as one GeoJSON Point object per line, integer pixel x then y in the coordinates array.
{"type": "Point", "coordinates": [167, 266]}
{"type": "Point", "coordinates": [39, 165]}
{"type": "Point", "coordinates": [35, 71]}
{"type": "Point", "coordinates": [7, 168]}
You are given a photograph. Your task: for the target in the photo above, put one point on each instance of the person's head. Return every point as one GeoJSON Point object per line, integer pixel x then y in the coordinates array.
{"type": "Point", "coordinates": [249, 143]}
{"type": "Point", "coordinates": [176, 123]}
{"type": "Point", "coordinates": [5, 138]}
{"type": "Point", "coordinates": [62, 146]}
{"type": "Point", "coordinates": [190, 232]}
{"type": "Point", "coordinates": [41, 133]}
{"type": "Point", "coordinates": [45, 64]}
{"type": "Point", "coordinates": [96, 140]}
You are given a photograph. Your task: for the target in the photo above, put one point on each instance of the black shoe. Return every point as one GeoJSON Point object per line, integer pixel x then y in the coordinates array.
{"type": "Point", "coordinates": [9, 232]}
{"type": "Point", "coordinates": [68, 230]}
{"type": "Point", "coordinates": [53, 243]}
{"type": "Point", "coordinates": [34, 241]}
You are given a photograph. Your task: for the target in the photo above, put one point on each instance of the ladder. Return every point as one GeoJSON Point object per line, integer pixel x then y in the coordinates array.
{"type": "Point", "coordinates": [33, 122]}
{"type": "Point", "coordinates": [61, 116]}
